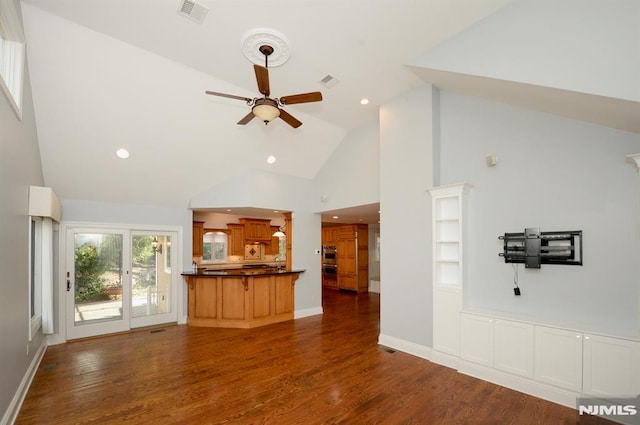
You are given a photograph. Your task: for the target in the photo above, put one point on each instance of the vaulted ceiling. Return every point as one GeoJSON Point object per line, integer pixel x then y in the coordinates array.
{"type": "Point", "coordinates": [109, 74]}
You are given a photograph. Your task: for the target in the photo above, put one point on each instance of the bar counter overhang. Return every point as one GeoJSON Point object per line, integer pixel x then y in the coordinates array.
{"type": "Point", "coordinates": [240, 298]}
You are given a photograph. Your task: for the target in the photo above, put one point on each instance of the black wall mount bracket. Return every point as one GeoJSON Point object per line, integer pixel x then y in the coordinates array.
{"type": "Point", "coordinates": [534, 248]}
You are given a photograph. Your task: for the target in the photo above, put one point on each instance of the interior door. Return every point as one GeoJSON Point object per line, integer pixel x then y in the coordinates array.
{"type": "Point", "coordinates": [98, 282]}
{"type": "Point", "coordinates": [153, 278]}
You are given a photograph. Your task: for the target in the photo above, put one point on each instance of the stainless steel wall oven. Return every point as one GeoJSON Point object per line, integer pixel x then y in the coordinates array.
{"type": "Point", "coordinates": [329, 262]}
{"type": "Point", "coordinates": [329, 254]}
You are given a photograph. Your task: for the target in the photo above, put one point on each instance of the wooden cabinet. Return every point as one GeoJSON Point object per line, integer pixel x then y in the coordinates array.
{"type": "Point", "coordinates": [326, 236]}
{"type": "Point", "coordinates": [330, 235]}
{"type": "Point", "coordinates": [273, 248]}
{"type": "Point", "coordinates": [236, 239]}
{"type": "Point", "coordinates": [256, 230]}
{"type": "Point", "coordinates": [198, 234]}
{"type": "Point", "coordinates": [353, 257]}
{"type": "Point", "coordinates": [362, 248]}
{"type": "Point", "coordinates": [237, 301]}
{"type": "Point", "coordinates": [346, 233]}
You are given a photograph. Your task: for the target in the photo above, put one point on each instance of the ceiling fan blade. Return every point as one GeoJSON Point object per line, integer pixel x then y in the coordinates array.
{"type": "Point", "coordinates": [290, 119]}
{"type": "Point", "coordinates": [262, 77]}
{"type": "Point", "coordinates": [315, 96]}
{"type": "Point", "coordinates": [246, 118]}
{"type": "Point", "coordinates": [230, 96]}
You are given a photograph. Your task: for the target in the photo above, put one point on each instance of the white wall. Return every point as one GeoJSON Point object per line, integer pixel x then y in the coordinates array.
{"type": "Point", "coordinates": [406, 157]}
{"type": "Point", "coordinates": [351, 176]}
{"type": "Point", "coordinates": [557, 174]}
{"type": "Point", "coordinates": [132, 214]}
{"type": "Point", "coordinates": [588, 46]}
{"type": "Point", "coordinates": [19, 168]}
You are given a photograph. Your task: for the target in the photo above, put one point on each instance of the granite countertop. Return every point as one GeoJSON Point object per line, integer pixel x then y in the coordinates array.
{"type": "Point", "coordinates": [268, 271]}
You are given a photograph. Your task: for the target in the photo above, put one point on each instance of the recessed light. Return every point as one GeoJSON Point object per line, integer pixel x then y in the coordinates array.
{"type": "Point", "coordinates": [122, 153]}
{"type": "Point", "coordinates": [335, 217]}
{"type": "Point", "coordinates": [364, 101]}
{"type": "Point", "coordinates": [271, 159]}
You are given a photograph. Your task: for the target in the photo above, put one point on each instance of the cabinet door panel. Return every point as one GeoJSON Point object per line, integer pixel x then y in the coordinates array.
{"type": "Point", "coordinates": [236, 239]}
{"type": "Point", "coordinates": [198, 233]}
{"type": "Point", "coordinates": [348, 282]}
{"type": "Point", "coordinates": [611, 366]}
{"type": "Point", "coordinates": [558, 357]}
{"type": "Point", "coordinates": [476, 339]}
{"type": "Point", "coordinates": [446, 325]}
{"type": "Point", "coordinates": [514, 347]}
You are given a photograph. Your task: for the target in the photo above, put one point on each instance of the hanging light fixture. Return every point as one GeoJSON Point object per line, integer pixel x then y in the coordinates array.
{"type": "Point", "coordinates": [266, 109]}
{"type": "Point", "coordinates": [280, 232]}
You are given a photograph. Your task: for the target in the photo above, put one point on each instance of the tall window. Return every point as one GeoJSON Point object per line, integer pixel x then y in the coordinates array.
{"type": "Point", "coordinates": [11, 54]}
{"type": "Point", "coordinates": [214, 247]}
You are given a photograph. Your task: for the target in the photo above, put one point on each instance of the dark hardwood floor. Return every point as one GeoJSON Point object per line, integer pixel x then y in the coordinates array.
{"type": "Point", "coordinates": [318, 370]}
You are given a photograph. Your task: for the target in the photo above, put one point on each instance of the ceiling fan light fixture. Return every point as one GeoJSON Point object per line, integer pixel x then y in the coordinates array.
{"type": "Point", "coordinates": [266, 110]}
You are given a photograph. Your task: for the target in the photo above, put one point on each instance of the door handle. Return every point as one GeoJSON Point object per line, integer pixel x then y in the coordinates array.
{"type": "Point", "coordinates": [68, 282]}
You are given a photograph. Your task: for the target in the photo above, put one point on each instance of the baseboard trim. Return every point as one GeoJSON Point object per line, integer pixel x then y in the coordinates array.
{"type": "Point", "coordinates": [409, 347]}
{"type": "Point", "coordinates": [520, 383]}
{"type": "Point", "coordinates": [11, 414]}
{"type": "Point", "coordinates": [445, 359]}
{"type": "Point", "coordinates": [299, 314]}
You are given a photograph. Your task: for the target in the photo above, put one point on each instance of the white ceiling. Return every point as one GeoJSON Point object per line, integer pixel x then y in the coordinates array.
{"type": "Point", "coordinates": [365, 214]}
{"type": "Point", "coordinates": [107, 74]}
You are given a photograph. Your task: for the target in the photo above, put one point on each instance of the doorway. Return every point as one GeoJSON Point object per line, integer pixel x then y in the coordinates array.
{"type": "Point", "coordinates": [118, 279]}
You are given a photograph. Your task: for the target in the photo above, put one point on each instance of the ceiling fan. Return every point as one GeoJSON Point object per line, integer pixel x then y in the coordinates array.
{"type": "Point", "coordinates": [267, 108]}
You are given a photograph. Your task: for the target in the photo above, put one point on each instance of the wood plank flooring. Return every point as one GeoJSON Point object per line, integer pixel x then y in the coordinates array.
{"type": "Point", "coordinates": [318, 370]}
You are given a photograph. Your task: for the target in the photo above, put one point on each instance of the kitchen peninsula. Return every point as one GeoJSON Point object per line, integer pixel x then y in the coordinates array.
{"type": "Point", "coordinates": [240, 298]}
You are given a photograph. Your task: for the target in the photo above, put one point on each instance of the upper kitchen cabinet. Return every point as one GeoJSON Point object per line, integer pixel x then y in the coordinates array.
{"type": "Point", "coordinates": [273, 248]}
{"type": "Point", "coordinates": [198, 233]}
{"type": "Point", "coordinates": [256, 230]}
{"type": "Point", "coordinates": [236, 239]}
{"type": "Point", "coordinates": [330, 235]}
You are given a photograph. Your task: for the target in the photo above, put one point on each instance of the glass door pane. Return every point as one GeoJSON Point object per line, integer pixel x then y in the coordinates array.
{"type": "Point", "coordinates": [97, 283]}
{"type": "Point", "coordinates": [98, 278]}
{"type": "Point", "coordinates": [152, 279]}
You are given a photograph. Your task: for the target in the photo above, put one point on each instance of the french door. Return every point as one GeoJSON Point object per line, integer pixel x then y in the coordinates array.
{"type": "Point", "coordinates": [118, 279]}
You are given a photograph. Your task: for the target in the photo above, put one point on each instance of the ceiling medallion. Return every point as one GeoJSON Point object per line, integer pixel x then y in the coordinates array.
{"type": "Point", "coordinates": [254, 39]}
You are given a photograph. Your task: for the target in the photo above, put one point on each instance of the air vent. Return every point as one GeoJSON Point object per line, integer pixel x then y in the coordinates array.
{"type": "Point", "coordinates": [329, 81]}
{"type": "Point", "coordinates": [192, 10]}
